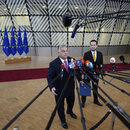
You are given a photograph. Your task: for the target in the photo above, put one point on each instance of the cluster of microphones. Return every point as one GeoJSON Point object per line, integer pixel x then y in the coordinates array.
{"type": "Point", "coordinates": [75, 64]}
{"type": "Point", "coordinates": [81, 63]}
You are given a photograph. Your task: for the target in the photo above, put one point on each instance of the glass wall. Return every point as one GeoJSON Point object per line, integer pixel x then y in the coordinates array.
{"type": "Point", "coordinates": [43, 21]}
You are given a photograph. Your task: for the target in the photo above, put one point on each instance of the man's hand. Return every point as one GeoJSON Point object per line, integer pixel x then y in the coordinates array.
{"type": "Point", "coordinates": [53, 91]}
{"type": "Point", "coordinates": [81, 82]}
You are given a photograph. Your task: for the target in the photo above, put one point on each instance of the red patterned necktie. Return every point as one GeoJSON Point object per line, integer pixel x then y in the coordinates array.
{"type": "Point", "coordinates": [66, 66]}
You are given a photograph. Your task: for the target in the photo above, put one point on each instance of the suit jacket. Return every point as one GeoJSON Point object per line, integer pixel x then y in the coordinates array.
{"type": "Point", "coordinates": [96, 65]}
{"type": "Point", "coordinates": [54, 70]}
{"type": "Point", "coordinates": [99, 61]}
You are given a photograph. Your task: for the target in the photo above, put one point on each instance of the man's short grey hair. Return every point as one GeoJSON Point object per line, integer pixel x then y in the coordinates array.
{"type": "Point", "coordinates": [61, 46]}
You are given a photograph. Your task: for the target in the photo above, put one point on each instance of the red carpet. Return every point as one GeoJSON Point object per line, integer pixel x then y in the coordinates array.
{"type": "Point", "coordinates": [109, 67]}
{"type": "Point", "coordinates": [23, 74]}
{"type": "Point", "coordinates": [26, 74]}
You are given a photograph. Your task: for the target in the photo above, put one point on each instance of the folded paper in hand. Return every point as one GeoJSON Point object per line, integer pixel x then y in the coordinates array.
{"type": "Point", "coordinates": [85, 90]}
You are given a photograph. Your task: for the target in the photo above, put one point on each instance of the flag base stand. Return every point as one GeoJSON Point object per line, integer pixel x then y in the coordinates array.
{"type": "Point", "coordinates": [17, 60]}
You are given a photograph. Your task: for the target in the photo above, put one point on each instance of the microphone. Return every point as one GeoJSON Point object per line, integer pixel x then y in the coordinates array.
{"type": "Point", "coordinates": [89, 64]}
{"type": "Point", "coordinates": [71, 65]}
{"type": "Point", "coordinates": [82, 61]}
{"type": "Point", "coordinates": [62, 69]}
{"type": "Point", "coordinates": [87, 61]}
{"type": "Point", "coordinates": [78, 63]}
{"type": "Point", "coordinates": [75, 30]}
{"type": "Point", "coordinates": [67, 19]}
{"type": "Point", "coordinates": [76, 67]}
{"type": "Point", "coordinates": [112, 62]}
{"type": "Point", "coordinates": [122, 59]}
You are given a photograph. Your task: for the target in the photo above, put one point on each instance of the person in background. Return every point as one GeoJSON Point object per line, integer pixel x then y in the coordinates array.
{"type": "Point", "coordinates": [96, 58]}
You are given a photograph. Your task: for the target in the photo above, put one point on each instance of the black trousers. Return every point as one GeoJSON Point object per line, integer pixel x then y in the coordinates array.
{"type": "Point", "coordinates": [70, 103]}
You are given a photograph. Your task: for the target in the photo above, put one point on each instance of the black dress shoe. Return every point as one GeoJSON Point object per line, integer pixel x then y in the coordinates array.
{"type": "Point", "coordinates": [98, 103]}
{"type": "Point", "coordinates": [83, 104]}
{"type": "Point", "coordinates": [72, 115]}
{"type": "Point", "coordinates": [64, 125]}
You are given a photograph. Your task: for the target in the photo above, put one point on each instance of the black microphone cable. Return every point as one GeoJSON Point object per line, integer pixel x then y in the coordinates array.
{"type": "Point", "coordinates": [58, 102]}
{"type": "Point", "coordinates": [19, 113]}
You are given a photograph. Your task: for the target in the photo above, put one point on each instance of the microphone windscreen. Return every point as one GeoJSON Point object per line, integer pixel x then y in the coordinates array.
{"type": "Point", "coordinates": [71, 65]}
{"type": "Point", "coordinates": [67, 19]}
{"type": "Point", "coordinates": [62, 66]}
{"type": "Point", "coordinates": [90, 65]}
{"type": "Point", "coordinates": [78, 63]}
{"type": "Point", "coordinates": [82, 61]}
{"type": "Point", "coordinates": [112, 60]}
{"type": "Point", "coordinates": [122, 58]}
{"type": "Point", "coordinates": [87, 61]}
{"type": "Point", "coordinates": [75, 64]}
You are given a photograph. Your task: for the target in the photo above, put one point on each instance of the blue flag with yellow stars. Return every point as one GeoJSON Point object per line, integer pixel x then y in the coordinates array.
{"type": "Point", "coordinates": [12, 41]}
{"type": "Point", "coordinates": [6, 46]}
{"type": "Point", "coordinates": [25, 43]}
{"type": "Point", "coordinates": [19, 43]}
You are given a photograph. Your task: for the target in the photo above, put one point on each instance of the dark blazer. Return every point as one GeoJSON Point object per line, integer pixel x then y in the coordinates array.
{"type": "Point", "coordinates": [99, 61]}
{"type": "Point", "coordinates": [96, 65]}
{"type": "Point", "coordinates": [54, 70]}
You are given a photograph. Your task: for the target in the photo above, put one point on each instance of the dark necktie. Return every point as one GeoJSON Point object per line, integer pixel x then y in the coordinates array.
{"type": "Point", "coordinates": [66, 66]}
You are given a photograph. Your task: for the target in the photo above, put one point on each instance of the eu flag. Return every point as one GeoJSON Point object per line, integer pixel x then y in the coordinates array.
{"type": "Point", "coordinates": [19, 43]}
{"type": "Point", "coordinates": [25, 43]}
{"type": "Point", "coordinates": [6, 47]}
{"type": "Point", "coordinates": [13, 45]}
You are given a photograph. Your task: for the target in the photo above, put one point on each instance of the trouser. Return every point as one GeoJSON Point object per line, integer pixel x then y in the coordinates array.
{"type": "Point", "coordinates": [83, 98]}
{"type": "Point", "coordinates": [70, 103]}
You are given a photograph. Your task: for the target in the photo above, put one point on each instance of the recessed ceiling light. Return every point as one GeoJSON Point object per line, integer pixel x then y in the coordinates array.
{"type": "Point", "coordinates": [60, 7]}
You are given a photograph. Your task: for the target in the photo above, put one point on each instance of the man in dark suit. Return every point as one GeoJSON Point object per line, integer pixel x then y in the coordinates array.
{"type": "Point", "coordinates": [57, 87]}
{"type": "Point", "coordinates": [96, 58]}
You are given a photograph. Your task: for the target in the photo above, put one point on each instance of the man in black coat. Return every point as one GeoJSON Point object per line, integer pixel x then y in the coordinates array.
{"type": "Point", "coordinates": [57, 87]}
{"type": "Point", "coordinates": [96, 58]}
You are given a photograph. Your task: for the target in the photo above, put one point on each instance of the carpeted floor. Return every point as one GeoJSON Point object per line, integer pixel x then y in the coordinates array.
{"type": "Point", "coordinates": [23, 74]}
{"type": "Point", "coordinates": [26, 74]}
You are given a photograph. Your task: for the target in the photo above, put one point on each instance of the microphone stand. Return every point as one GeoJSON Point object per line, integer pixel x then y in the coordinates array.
{"type": "Point", "coordinates": [19, 113]}
{"type": "Point", "coordinates": [81, 111]}
{"type": "Point", "coordinates": [125, 122]}
{"type": "Point", "coordinates": [115, 104]}
{"type": "Point", "coordinates": [118, 73]}
{"type": "Point", "coordinates": [122, 67]}
{"type": "Point", "coordinates": [58, 103]}
{"type": "Point", "coordinates": [118, 107]}
{"type": "Point", "coordinates": [123, 91]}
{"type": "Point", "coordinates": [119, 78]}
